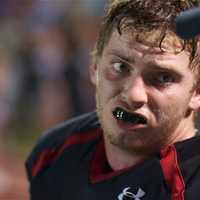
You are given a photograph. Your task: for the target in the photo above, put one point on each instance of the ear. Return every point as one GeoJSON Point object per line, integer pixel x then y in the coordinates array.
{"type": "Point", "coordinates": [195, 100]}
{"type": "Point", "coordinates": [93, 73]}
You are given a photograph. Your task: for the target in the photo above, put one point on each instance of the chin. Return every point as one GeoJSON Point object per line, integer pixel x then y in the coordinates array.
{"type": "Point", "coordinates": [137, 142]}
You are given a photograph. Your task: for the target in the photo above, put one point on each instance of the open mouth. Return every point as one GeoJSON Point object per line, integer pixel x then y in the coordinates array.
{"type": "Point", "coordinates": [134, 118]}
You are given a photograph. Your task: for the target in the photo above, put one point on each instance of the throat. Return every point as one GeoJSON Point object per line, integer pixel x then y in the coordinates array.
{"type": "Point", "coordinates": [120, 159]}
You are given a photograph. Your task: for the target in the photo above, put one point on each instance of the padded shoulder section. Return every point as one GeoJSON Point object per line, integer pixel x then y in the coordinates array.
{"type": "Point", "coordinates": [52, 143]}
{"type": "Point", "coordinates": [189, 148]}
{"type": "Point", "coordinates": [189, 159]}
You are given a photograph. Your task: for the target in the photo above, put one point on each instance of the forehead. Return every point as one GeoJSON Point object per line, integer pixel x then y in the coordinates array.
{"type": "Point", "coordinates": [146, 46]}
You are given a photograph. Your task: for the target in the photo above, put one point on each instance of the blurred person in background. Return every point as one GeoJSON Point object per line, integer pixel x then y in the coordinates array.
{"type": "Point", "coordinates": [142, 141]}
{"type": "Point", "coordinates": [49, 57]}
{"type": "Point", "coordinates": [44, 74]}
{"type": "Point", "coordinates": [13, 184]}
{"type": "Point", "coordinates": [9, 83]}
{"type": "Point", "coordinates": [57, 55]}
{"type": "Point", "coordinates": [11, 36]}
{"type": "Point", "coordinates": [44, 57]}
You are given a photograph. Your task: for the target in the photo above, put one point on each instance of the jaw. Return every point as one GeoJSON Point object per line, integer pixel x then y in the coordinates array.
{"type": "Point", "coordinates": [145, 140]}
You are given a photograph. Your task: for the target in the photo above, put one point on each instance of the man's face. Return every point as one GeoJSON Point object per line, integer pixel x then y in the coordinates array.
{"type": "Point", "coordinates": [145, 97]}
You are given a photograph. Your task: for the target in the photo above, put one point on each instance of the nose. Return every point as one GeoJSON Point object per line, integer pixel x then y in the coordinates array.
{"type": "Point", "coordinates": [135, 92]}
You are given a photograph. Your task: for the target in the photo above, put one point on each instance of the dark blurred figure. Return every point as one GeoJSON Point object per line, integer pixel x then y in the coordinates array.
{"type": "Point", "coordinates": [57, 56]}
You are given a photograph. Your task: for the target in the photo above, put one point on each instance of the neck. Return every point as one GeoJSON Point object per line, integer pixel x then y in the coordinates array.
{"type": "Point", "coordinates": [119, 159]}
{"type": "Point", "coordinates": [184, 131]}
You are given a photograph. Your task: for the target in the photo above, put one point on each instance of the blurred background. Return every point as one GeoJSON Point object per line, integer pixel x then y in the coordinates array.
{"type": "Point", "coordinates": [45, 50]}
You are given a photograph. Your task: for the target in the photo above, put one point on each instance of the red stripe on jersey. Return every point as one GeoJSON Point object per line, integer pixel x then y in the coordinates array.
{"type": "Point", "coordinates": [48, 156]}
{"type": "Point", "coordinates": [100, 169]}
{"type": "Point", "coordinates": [172, 172]}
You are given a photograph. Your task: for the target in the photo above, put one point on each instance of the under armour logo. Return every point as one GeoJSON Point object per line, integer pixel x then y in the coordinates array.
{"type": "Point", "coordinates": [125, 195]}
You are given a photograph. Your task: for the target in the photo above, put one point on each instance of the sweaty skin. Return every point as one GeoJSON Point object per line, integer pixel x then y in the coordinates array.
{"type": "Point", "coordinates": [149, 82]}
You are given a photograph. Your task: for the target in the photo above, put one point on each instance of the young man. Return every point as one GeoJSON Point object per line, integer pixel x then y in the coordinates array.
{"type": "Point", "coordinates": [143, 143]}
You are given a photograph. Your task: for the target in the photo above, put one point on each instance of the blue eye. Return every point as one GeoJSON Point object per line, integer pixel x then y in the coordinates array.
{"type": "Point", "coordinates": [164, 78]}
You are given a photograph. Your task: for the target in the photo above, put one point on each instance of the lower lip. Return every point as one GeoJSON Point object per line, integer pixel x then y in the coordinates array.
{"type": "Point", "coordinates": [129, 126]}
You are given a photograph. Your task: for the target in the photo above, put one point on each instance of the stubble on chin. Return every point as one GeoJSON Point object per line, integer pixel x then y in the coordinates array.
{"type": "Point", "coordinates": [134, 143]}
{"type": "Point", "coordinates": [142, 142]}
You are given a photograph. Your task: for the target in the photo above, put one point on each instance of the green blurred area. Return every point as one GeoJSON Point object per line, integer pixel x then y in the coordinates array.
{"type": "Point", "coordinates": [21, 138]}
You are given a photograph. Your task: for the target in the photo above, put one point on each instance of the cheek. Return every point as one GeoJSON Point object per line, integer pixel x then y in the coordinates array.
{"type": "Point", "coordinates": [107, 87]}
{"type": "Point", "coordinates": [170, 107]}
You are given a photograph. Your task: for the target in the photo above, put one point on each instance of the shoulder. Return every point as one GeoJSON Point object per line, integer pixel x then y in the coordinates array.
{"type": "Point", "coordinates": [188, 158]}
{"type": "Point", "coordinates": [51, 145]}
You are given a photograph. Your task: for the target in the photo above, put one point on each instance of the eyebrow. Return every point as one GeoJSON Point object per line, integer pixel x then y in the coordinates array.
{"type": "Point", "coordinates": [130, 60]}
{"type": "Point", "coordinates": [156, 66]}
{"type": "Point", "coordinates": [121, 55]}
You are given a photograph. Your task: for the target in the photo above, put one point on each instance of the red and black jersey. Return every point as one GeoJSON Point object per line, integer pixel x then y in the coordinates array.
{"type": "Point", "coordinates": [69, 163]}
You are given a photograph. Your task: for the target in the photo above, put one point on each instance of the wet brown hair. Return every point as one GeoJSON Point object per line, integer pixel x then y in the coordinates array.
{"type": "Point", "coordinates": [143, 16]}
